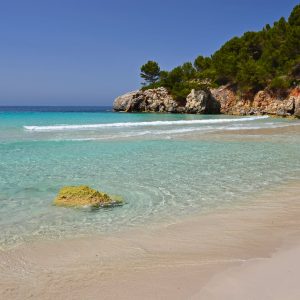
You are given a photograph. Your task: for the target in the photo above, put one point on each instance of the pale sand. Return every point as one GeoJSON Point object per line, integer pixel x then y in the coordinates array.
{"type": "Point", "coordinates": [223, 255]}
{"type": "Point", "coordinates": [270, 278]}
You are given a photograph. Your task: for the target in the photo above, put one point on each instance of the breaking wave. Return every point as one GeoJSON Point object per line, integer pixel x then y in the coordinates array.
{"type": "Point", "coordinates": [138, 124]}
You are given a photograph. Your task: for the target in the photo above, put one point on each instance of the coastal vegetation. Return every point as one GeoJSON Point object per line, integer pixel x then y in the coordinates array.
{"type": "Point", "coordinates": [267, 59]}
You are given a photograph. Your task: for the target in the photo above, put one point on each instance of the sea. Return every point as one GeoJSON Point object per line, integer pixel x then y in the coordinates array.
{"type": "Point", "coordinates": [164, 166]}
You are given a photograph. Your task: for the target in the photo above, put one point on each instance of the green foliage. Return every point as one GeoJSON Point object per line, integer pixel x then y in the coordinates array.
{"type": "Point", "coordinates": [269, 58]}
{"type": "Point", "coordinates": [294, 18]}
{"type": "Point", "coordinates": [251, 77]}
{"type": "Point", "coordinates": [280, 83]}
{"type": "Point", "coordinates": [150, 72]}
{"type": "Point", "coordinates": [202, 63]}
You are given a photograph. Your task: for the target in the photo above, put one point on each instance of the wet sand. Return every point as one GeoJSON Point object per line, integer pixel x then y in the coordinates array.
{"type": "Point", "coordinates": [291, 130]}
{"type": "Point", "coordinates": [271, 278]}
{"type": "Point", "coordinates": [242, 252]}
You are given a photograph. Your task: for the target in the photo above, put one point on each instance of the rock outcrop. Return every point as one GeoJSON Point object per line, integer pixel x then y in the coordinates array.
{"type": "Point", "coordinates": [159, 100]}
{"type": "Point", "coordinates": [263, 102]}
{"type": "Point", "coordinates": [223, 100]}
{"type": "Point", "coordinates": [201, 102]}
{"type": "Point", "coordinates": [80, 196]}
{"type": "Point", "coordinates": [295, 95]}
{"type": "Point", "coordinates": [124, 102]}
{"type": "Point", "coordinates": [152, 100]}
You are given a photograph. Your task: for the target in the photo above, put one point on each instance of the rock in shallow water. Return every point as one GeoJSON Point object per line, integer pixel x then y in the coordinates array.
{"type": "Point", "coordinates": [80, 196]}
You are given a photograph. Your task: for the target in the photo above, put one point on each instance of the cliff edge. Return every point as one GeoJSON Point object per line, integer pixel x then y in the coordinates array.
{"type": "Point", "coordinates": [160, 100]}
{"type": "Point", "coordinates": [223, 100]}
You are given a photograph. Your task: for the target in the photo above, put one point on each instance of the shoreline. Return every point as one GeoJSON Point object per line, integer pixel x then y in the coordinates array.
{"type": "Point", "coordinates": [178, 261]}
{"type": "Point", "coordinates": [274, 116]}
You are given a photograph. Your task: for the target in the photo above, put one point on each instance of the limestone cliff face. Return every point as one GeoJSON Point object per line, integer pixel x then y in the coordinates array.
{"type": "Point", "coordinates": [295, 94]}
{"type": "Point", "coordinates": [220, 100]}
{"type": "Point", "coordinates": [201, 102]}
{"type": "Point", "coordinates": [159, 100]}
{"type": "Point", "coordinates": [152, 100]}
{"type": "Point", "coordinates": [264, 102]}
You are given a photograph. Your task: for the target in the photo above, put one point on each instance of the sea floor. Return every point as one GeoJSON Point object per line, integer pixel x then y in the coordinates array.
{"type": "Point", "coordinates": [208, 211]}
{"type": "Point", "coordinates": [183, 260]}
{"type": "Point", "coordinates": [165, 167]}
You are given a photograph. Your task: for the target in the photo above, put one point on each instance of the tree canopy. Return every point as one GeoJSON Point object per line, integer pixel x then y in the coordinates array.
{"type": "Point", "coordinates": [150, 72]}
{"type": "Point", "coordinates": [269, 58]}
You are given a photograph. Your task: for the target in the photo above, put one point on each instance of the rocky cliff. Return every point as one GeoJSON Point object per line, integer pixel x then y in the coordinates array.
{"type": "Point", "coordinates": [159, 100]}
{"type": "Point", "coordinates": [263, 102]}
{"type": "Point", "coordinates": [223, 100]}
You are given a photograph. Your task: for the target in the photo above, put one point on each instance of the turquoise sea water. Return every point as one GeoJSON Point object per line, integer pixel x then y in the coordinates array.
{"type": "Point", "coordinates": [165, 166]}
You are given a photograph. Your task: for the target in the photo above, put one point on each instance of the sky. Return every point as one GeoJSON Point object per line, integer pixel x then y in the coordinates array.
{"type": "Point", "coordinates": [87, 52]}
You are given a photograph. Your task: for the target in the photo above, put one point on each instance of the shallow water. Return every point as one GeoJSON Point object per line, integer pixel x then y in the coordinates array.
{"type": "Point", "coordinates": [153, 161]}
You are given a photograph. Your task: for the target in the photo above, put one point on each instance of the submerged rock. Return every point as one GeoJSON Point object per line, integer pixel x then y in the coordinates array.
{"type": "Point", "coordinates": [79, 196]}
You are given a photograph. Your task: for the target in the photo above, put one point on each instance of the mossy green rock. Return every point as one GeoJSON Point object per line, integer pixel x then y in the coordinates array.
{"type": "Point", "coordinates": [80, 196]}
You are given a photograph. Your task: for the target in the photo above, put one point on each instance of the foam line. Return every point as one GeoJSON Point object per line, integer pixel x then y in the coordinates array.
{"type": "Point", "coordinates": [139, 124]}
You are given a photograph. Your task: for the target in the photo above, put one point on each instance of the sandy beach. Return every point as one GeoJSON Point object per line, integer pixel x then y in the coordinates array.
{"type": "Point", "coordinates": [247, 252]}
{"type": "Point", "coordinates": [150, 150]}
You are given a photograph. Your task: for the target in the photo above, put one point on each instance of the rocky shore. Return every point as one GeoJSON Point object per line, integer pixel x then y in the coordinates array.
{"type": "Point", "coordinates": [224, 100]}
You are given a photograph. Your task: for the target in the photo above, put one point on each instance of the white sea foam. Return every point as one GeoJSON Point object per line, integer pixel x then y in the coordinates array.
{"type": "Point", "coordinates": [178, 131]}
{"type": "Point", "coordinates": [130, 134]}
{"type": "Point", "coordinates": [139, 124]}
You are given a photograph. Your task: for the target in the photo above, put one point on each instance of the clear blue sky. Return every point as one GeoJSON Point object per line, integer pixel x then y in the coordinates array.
{"type": "Point", "coordinates": [86, 52]}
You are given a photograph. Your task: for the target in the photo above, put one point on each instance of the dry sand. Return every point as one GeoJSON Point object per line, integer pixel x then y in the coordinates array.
{"type": "Point", "coordinates": [246, 252]}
